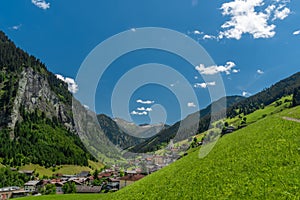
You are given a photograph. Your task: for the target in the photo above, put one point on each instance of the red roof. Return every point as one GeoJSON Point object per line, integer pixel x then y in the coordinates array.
{"type": "Point", "coordinates": [105, 174]}
{"type": "Point", "coordinates": [131, 177]}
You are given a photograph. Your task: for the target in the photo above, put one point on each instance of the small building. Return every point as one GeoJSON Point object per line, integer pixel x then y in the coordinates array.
{"type": "Point", "coordinates": [27, 172]}
{"type": "Point", "coordinates": [129, 179]}
{"type": "Point", "coordinates": [12, 192]}
{"type": "Point", "coordinates": [158, 160]}
{"type": "Point", "coordinates": [112, 186]}
{"type": "Point", "coordinates": [88, 189]}
{"type": "Point", "coordinates": [105, 175]}
{"type": "Point", "coordinates": [84, 174]}
{"type": "Point", "coordinates": [59, 186]}
{"type": "Point", "coordinates": [32, 186]}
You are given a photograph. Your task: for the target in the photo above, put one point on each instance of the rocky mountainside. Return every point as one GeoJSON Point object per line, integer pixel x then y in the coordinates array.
{"type": "Point", "coordinates": [115, 134]}
{"type": "Point", "coordinates": [140, 131]}
{"type": "Point", "coordinates": [36, 120]}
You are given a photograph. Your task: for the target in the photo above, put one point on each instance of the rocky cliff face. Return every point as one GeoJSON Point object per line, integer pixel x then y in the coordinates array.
{"type": "Point", "coordinates": [36, 118]}
{"type": "Point", "coordinates": [34, 93]}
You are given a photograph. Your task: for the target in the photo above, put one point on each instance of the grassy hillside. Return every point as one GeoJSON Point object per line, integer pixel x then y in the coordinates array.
{"type": "Point", "coordinates": [275, 107]}
{"type": "Point", "coordinates": [261, 161]}
{"type": "Point", "coordinates": [62, 169]}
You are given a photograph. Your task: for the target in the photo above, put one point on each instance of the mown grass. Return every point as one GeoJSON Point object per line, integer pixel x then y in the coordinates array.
{"type": "Point", "coordinates": [65, 197]}
{"type": "Point", "coordinates": [62, 169]}
{"type": "Point", "coordinates": [261, 161]}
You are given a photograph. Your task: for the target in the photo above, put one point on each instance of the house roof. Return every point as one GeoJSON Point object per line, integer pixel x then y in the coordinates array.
{"type": "Point", "coordinates": [134, 177]}
{"type": "Point", "coordinates": [114, 179]}
{"type": "Point", "coordinates": [83, 174]}
{"type": "Point", "coordinates": [88, 189]}
{"type": "Point", "coordinates": [26, 171]}
{"type": "Point", "coordinates": [130, 172]}
{"type": "Point", "coordinates": [32, 183]}
{"type": "Point", "coordinates": [105, 174]}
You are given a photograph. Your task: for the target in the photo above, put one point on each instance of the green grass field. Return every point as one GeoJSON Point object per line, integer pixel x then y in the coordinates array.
{"type": "Point", "coordinates": [261, 161]}
{"type": "Point", "coordinates": [63, 169]}
{"type": "Point", "coordinates": [261, 113]}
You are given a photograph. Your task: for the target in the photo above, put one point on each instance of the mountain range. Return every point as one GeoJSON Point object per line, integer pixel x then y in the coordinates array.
{"type": "Point", "coordinates": [41, 122]}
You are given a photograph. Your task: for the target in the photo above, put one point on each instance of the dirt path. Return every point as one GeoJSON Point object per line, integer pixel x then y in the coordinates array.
{"type": "Point", "coordinates": [291, 119]}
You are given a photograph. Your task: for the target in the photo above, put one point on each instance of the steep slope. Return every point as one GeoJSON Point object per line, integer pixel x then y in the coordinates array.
{"type": "Point", "coordinates": [35, 112]}
{"type": "Point", "coordinates": [282, 88]}
{"type": "Point", "coordinates": [115, 134]}
{"type": "Point", "coordinates": [185, 128]}
{"type": "Point", "coordinates": [260, 161]}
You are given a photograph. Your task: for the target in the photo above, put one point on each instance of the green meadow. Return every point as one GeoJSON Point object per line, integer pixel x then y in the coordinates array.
{"type": "Point", "coordinates": [260, 161]}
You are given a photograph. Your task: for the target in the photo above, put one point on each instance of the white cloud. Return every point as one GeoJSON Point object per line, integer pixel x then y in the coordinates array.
{"type": "Point", "coordinates": [204, 85]}
{"type": "Point", "coordinates": [41, 4]}
{"type": "Point", "coordinates": [259, 71]}
{"type": "Point", "coordinates": [138, 113]}
{"type": "Point", "coordinates": [281, 14]}
{"type": "Point", "coordinates": [196, 77]}
{"type": "Point", "coordinates": [250, 17]}
{"type": "Point", "coordinates": [245, 94]}
{"type": "Point", "coordinates": [214, 69]}
{"type": "Point", "coordinates": [16, 27]}
{"type": "Point", "coordinates": [133, 29]}
{"type": "Point", "coordinates": [210, 37]}
{"type": "Point", "coordinates": [191, 104]}
{"type": "Point", "coordinates": [196, 32]}
{"type": "Point", "coordinates": [144, 109]}
{"type": "Point", "coordinates": [172, 84]}
{"type": "Point", "coordinates": [236, 71]}
{"type": "Point", "coordinates": [145, 101]}
{"type": "Point", "coordinates": [296, 32]}
{"type": "Point", "coordinates": [72, 86]}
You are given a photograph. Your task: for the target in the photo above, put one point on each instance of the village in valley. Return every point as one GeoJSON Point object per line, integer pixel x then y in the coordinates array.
{"type": "Point", "coordinates": [108, 179]}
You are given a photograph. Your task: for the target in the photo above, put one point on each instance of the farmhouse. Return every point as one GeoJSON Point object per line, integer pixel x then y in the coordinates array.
{"type": "Point", "coordinates": [32, 186]}
{"type": "Point", "coordinates": [129, 179]}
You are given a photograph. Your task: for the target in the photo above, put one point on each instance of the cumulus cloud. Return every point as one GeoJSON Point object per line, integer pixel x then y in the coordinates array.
{"type": "Point", "coordinates": [281, 13]}
{"type": "Point", "coordinates": [72, 86]}
{"type": "Point", "coordinates": [296, 32]}
{"type": "Point", "coordinates": [204, 85]}
{"type": "Point", "coordinates": [144, 109]}
{"type": "Point", "coordinates": [41, 4]}
{"type": "Point", "coordinates": [250, 17]}
{"type": "Point", "coordinates": [259, 71]}
{"type": "Point", "coordinates": [191, 104]}
{"type": "Point", "coordinates": [210, 37]}
{"type": "Point", "coordinates": [144, 101]}
{"type": "Point", "coordinates": [245, 94]}
{"type": "Point", "coordinates": [197, 32]}
{"type": "Point", "coordinates": [138, 113]}
{"type": "Point", "coordinates": [214, 69]}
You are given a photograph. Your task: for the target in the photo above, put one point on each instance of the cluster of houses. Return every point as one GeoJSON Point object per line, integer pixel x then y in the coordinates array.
{"type": "Point", "coordinates": [109, 180]}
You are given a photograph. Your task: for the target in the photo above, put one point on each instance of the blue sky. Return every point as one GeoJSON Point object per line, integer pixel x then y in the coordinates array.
{"type": "Point", "coordinates": [254, 43]}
